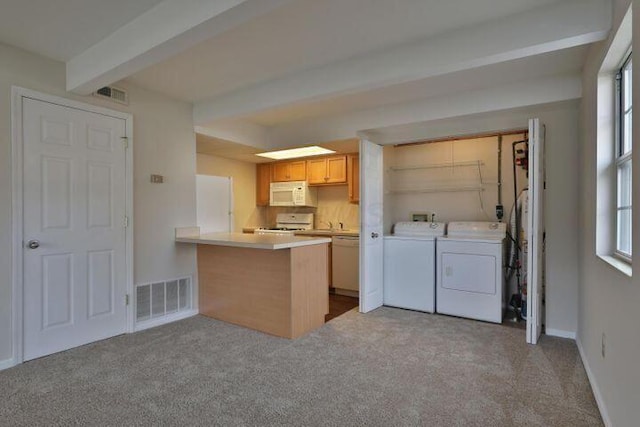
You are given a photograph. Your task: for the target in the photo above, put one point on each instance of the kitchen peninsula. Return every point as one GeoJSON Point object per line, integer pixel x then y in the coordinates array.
{"type": "Point", "coordinates": [270, 283]}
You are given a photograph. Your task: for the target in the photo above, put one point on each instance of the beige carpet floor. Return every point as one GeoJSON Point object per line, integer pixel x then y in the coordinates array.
{"type": "Point", "coordinates": [387, 368]}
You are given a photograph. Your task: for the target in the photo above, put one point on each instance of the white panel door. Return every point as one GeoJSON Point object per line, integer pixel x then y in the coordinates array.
{"type": "Point", "coordinates": [371, 242]}
{"type": "Point", "coordinates": [535, 231]}
{"type": "Point", "coordinates": [74, 201]}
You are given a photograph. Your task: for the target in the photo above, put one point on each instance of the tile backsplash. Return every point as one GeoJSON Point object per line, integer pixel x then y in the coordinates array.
{"type": "Point", "coordinates": [333, 206]}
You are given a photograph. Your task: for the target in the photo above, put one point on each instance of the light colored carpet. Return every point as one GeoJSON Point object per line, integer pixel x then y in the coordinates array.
{"type": "Point", "coordinates": [387, 368]}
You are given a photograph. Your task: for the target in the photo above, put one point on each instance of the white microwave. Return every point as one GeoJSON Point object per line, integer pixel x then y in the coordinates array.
{"type": "Point", "coordinates": [294, 193]}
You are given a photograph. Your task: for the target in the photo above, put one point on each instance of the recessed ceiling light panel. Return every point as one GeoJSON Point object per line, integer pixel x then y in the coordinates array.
{"type": "Point", "coordinates": [296, 152]}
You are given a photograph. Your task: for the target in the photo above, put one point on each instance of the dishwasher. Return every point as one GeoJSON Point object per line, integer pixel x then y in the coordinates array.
{"type": "Point", "coordinates": [345, 254]}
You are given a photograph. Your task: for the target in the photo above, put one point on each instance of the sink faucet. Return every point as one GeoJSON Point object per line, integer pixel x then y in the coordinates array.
{"type": "Point", "coordinates": [341, 226]}
{"type": "Point", "coordinates": [330, 224]}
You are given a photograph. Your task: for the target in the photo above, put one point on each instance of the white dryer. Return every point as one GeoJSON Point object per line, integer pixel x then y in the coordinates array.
{"type": "Point", "coordinates": [409, 265]}
{"type": "Point", "coordinates": [469, 271]}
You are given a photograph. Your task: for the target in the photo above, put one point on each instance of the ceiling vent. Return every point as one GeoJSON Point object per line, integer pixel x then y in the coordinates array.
{"type": "Point", "coordinates": [114, 94]}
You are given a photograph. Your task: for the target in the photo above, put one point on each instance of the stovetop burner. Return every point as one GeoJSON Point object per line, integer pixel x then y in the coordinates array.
{"type": "Point", "coordinates": [289, 223]}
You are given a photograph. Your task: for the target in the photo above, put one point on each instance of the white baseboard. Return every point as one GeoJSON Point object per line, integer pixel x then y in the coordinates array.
{"type": "Point", "coordinates": [594, 386]}
{"type": "Point", "coordinates": [152, 323]}
{"type": "Point", "coordinates": [6, 364]}
{"type": "Point", "coordinates": [560, 333]}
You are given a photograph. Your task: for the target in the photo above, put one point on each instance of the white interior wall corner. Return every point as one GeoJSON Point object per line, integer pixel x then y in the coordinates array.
{"type": "Point", "coordinates": [608, 299]}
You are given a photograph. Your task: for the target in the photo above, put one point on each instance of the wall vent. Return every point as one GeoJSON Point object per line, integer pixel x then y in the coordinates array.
{"type": "Point", "coordinates": [158, 299]}
{"type": "Point", "coordinates": [113, 93]}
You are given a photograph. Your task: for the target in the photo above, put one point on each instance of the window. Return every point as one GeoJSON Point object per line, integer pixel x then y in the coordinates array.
{"type": "Point", "coordinates": [623, 160]}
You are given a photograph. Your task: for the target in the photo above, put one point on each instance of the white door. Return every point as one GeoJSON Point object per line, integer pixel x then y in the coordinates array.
{"type": "Point", "coordinates": [74, 201]}
{"type": "Point", "coordinates": [535, 231]}
{"type": "Point", "coordinates": [371, 242]}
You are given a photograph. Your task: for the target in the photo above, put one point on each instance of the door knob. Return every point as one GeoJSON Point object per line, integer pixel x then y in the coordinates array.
{"type": "Point", "coordinates": [374, 235]}
{"type": "Point", "coordinates": [33, 244]}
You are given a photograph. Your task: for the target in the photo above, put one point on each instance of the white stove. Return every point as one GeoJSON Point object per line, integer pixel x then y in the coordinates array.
{"type": "Point", "coordinates": [288, 223]}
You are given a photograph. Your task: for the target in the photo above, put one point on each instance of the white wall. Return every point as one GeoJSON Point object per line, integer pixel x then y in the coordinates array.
{"type": "Point", "coordinates": [609, 300]}
{"type": "Point", "coordinates": [163, 143]}
{"type": "Point", "coordinates": [452, 206]}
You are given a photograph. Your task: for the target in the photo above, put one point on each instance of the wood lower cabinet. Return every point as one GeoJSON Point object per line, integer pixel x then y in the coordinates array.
{"type": "Point", "coordinates": [289, 171]}
{"type": "Point", "coordinates": [327, 170]}
{"type": "Point", "coordinates": [354, 178]}
{"type": "Point", "coordinates": [263, 182]}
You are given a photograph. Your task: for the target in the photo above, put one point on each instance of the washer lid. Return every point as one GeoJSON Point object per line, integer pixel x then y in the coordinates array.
{"type": "Point", "coordinates": [477, 229]}
{"type": "Point", "coordinates": [419, 228]}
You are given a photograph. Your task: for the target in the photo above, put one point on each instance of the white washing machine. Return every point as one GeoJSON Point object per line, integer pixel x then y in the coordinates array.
{"type": "Point", "coordinates": [409, 265]}
{"type": "Point", "coordinates": [469, 271]}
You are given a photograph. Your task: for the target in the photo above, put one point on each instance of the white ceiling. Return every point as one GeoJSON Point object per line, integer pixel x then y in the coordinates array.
{"type": "Point", "coordinates": [61, 29]}
{"type": "Point", "coordinates": [309, 33]}
{"type": "Point", "coordinates": [565, 61]}
{"type": "Point", "coordinates": [231, 150]}
{"type": "Point", "coordinates": [266, 64]}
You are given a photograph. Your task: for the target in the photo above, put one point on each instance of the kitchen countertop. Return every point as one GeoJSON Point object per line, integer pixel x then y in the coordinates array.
{"type": "Point", "coordinates": [328, 232]}
{"type": "Point", "coordinates": [255, 241]}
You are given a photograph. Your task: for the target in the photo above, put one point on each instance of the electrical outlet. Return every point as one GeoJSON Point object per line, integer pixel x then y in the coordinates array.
{"type": "Point", "coordinates": [603, 345]}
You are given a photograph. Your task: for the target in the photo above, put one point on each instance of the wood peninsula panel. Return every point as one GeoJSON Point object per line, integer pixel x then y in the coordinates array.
{"type": "Point", "coordinates": [280, 292]}
{"type": "Point", "coordinates": [309, 294]}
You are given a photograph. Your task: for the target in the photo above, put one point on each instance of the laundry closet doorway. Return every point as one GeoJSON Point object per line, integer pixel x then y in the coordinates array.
{"type": "Point", "coordinates": [477, 190]}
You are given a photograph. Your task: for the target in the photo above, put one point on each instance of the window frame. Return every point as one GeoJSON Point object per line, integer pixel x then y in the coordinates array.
{"type": "Point", "coordinates": [622, 157]}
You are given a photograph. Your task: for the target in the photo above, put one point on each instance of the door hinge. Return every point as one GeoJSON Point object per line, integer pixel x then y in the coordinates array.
{"type": "Point", "coordinates": [125, 222]}
{"type": "Point", "coordinates": [125, 141]}
{"type": "Point", "coordinates": [126, 299]}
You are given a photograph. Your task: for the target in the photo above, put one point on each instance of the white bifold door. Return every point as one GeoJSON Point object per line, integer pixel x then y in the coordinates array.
{"type": "Point", "coordinates": [535, 232]}
{"type": "Point", "coordinates": [371, 242]}
{"type": "Point", "coordinates": [74, 205]}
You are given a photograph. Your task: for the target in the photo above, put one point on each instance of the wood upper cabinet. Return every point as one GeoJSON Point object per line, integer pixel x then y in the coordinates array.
{"type": "Point", "coordinates": [327, 170]}
{"type": "Point", "coordinates": [263, 181]}
{"type": "Point", "coordinates": [289, 171]}
{"type": "Point", "coordinates": [354, 178]}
